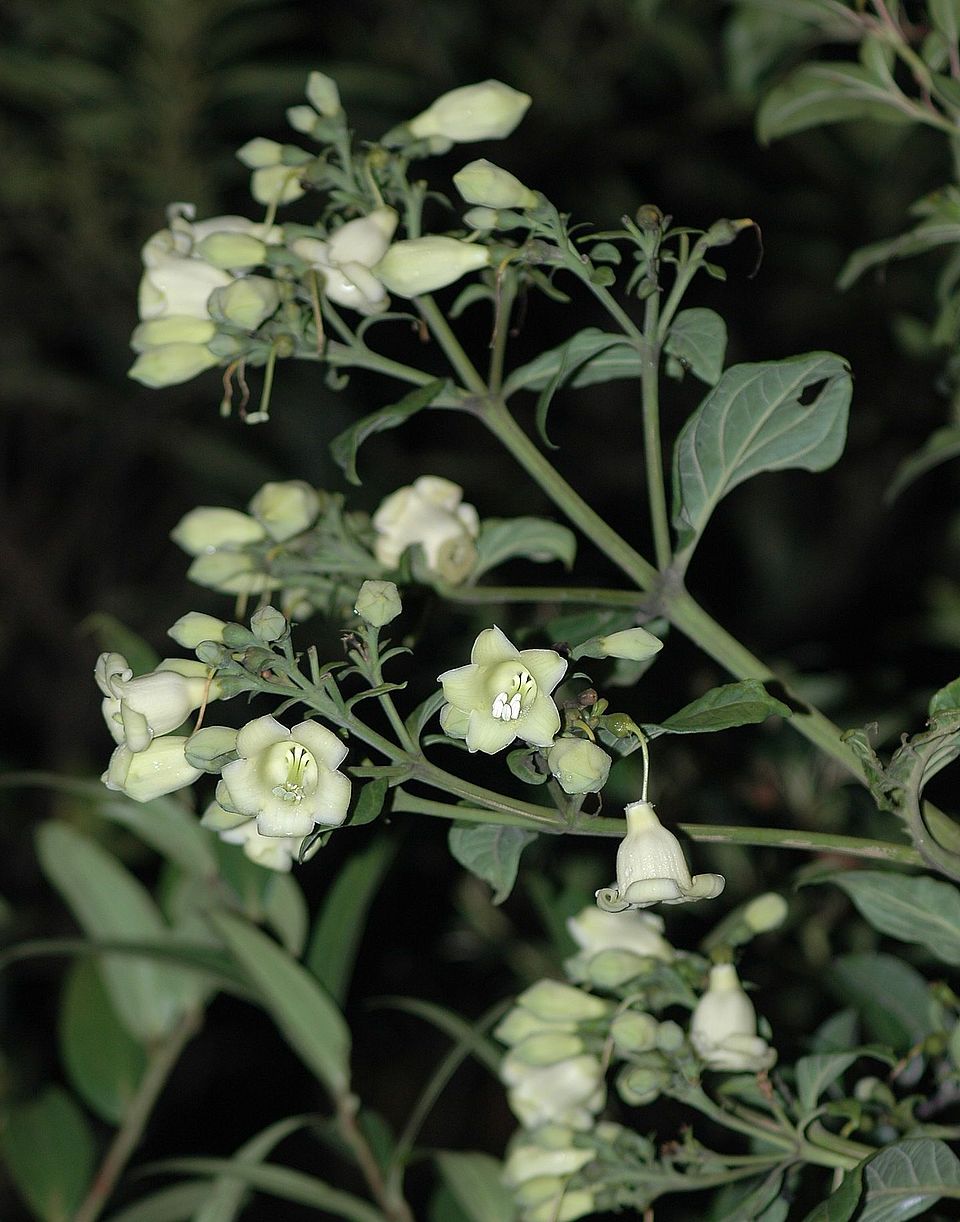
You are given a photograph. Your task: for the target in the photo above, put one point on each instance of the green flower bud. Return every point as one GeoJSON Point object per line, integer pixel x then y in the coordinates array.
{"type": "Point", "coordinates": [579, 765]}
{"type": "Point", "coordinates": [639, 1085]}
{"type": "Point", "coordinates": [551, 999]}
{"type": "Point", "coordinates": [322, 93]}
{"type": "Point", "coordinates": [548, 1047]}
{"type": "Point", "coordinates": [171, 364]}
{"type": "Point", "coordinates": [482, 182]}
{"type": "Point", "coordinates": [670, 1037]}
{"type": "Point", "coordinates": [489, 110]}
{"type": "Point", "coordinates": [172, 329]}
{"type": "Point", "coordinates": [212, 747]}
{"type": "Point", "coordinates": [194, 627]}
{"type": "Point", "coordinates": [286, 508]}
{"type": "Point", "coordinates": [268, 624]}
{"type": "Point", "coordinates": [766, 912]}
{"type": "Point", "coordinates": [246, 302]}
{"type": "Point", "coordinates": [634, 644]}
{"type": "Point", "coordinates": [422, 265]}
{"type": "Point", "coordinates": [529, 1162]}
{"type": "Point", "coordinates": [378, 603]}
{"type": "Point", "coordinates": [634, 1031]}
{"type": "Point", "coordinates": [608, 969]}
{"type": "Point", "coordinates": [483, 218]}
{"type": "Point", "coordinates": [276, 184]}
{"type": "Point", "coordinates": [519, 1024]}
{"type": "Point", "coordinates": [231, 573]}
{"type": "Point", "coordinates": [232, 250]}
{"type": "Point", "coordinates": [207, 528]}
{"type": "Point", "coordinates": [260, 152]}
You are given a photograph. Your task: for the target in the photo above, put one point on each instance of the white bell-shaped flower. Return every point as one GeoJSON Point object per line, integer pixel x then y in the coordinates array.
{"type": "Point", "coordinates": [430, 512]}
{"type": "Point", "coordinates": [594, 930]}
{"type": "Point", "coordinates": [723, 1029]}
{"type": "Point", "coordinates": [651, 868]}
{"type": "Point", "coordinates": [571, 1092]}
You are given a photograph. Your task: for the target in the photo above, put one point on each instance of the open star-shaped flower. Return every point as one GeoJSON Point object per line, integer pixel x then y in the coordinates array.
{"type": "Point", "coordinates": [502, 695]}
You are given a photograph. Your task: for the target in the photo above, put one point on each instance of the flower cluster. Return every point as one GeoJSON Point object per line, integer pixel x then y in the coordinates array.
{"type": "Point", "coordinates": [232, 291]}
{"type": "Point", "coordinates": [564, 1038]}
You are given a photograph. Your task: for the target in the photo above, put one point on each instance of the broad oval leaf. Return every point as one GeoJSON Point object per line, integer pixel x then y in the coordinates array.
{"type": "Point", "coordinates": [312, 1024]}
{"type": "Point", "coordinates": [815, 1073]}
{"type": "Point", "coordinates": [891, 997]}
{"type": "Point", "coordinates": [49, 1152]}
{"type": "Point", "coordinates": [476, 1181]}
{"type": "Point", "coordinates": [111, 905]}
{"type": "Point", "coordinates": [491, 851]}
{"type": "Point", "coordinates": [103, 1061]}
{"type": "Point", "coordinates": [698, 339]}
{"type": "Point", "coordinates": [839, 1206]}
{"type": "Point", "coordinates": [722, 708]}
{"type": "Point", "coordinates": [906, 1178]}
{"type": "Point", "coordinates": [914, 909]}
{"type": "Point", "coordinates": [535, 539]}
{"type": "Point", "coordinates": [827, 93]}
{"type": "Point", "coordinates": [759, 417]}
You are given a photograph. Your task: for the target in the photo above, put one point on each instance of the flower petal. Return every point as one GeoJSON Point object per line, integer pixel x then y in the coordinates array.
{"type": "Point", "coordinates": [453, 721]}
{"type": "Point", "coordinates": [540, 723]}
{"type": "Point", "coordinates": [492, 646]}
{"type": "Point", "coordinates": [323, 743]}
{"type": "Point", "coordinates": [329, 807]}
{"type": "Point", "coordinates": [259, 734]}
{"type": "Point", "coordinates": [485, 733]}
{"type": "Point", "coordinates": [464, 688]}
{"type": "Point", "coordinates": [546, 666]}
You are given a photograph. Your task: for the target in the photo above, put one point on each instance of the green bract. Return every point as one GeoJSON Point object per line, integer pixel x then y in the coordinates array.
{"type": "Point", "coordinates": [286, 778]}
{"type": "Point", "coordinates": [502, 695]}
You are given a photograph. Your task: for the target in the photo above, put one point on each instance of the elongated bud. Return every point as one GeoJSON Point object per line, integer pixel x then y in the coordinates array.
{"type": "Point", "coordinates": [285, 508]}
{"type": "Point", "coordinates": [422, 265]}
{"type": "Point", "coordinates": [233, 250]}
{"type": "Point", "coordinates": [551, 999]}
{"type": "Point", "coordinates": [207, 528]}
{"type": "Point", "coordinates": [322, 93]}
{"type": "Point", "coordinates": [635, 644]}
{"type": "Point", "coordinates": [246, 302]}
{"type": "Point", "coordinates": [489, 110]}
{"type": "Point", "coordinates": [172, 329]}
{"type": "Point", "coordinates": [194, 627]}
{"type": "Point", "coordinates": [482, 182]}
{"type": "Point", "coordinates": [171, 364]}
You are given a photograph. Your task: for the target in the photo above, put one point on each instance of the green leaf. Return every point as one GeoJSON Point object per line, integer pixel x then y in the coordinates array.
{"type": "Point", "coordinates": [227, 1196]}
{"type": "Point", "coordinates": [110, 904]}
{"type": "Point", "coordinates": [946, 699]}
{"type": "Point", "coordinates": [939, 447]}
{"type": "Point", "coordinates": [475, 1181]}
{"type": "Point", "coordinates": [49, 1153]}
{"type": "Point", "coordinates": [839, 1206]}
{"type": "Point", "coordinates": [588, 357]}
{"type": "Point", "coordinates": [282, 1182]}
{"type": "Point", "coordinates": [285, 912]}
{"type": "Point", "coordinates": [914, 909]}
{"type": "Point", "coordinates": [907, 1178]}
{"type": "Point", "coordinates": [891, 997]}
{"type": "Point", "coordinates": [462, 1032]}
{"type": "Point", "coordinates": [941, 231]}
{"type": "Point", "coordinates": [168, 828]}
{"type": "Point", "coordinates": [829, 93]}
{"type": "Point", "coordinates": [532, 538]}
{"type": "Point", "coordinates": [339, 926]}
{"type": "Point", "coordinates": [311, 1023]}
{"type": "Point", "coordinates": [698, 338]}
{"type": "Point", "coordinates": [815, 1073]}
{"type": "Point", "coordinates": [345, 445]}
{"type": "Point", "coordinates": [722, 708]}
{"type": "Point", "coordinates": [178, 1203]}
{"type": "Point", "coordinates": [491, 851]}
{"type": "Point", "coordinates": [370, 801]}
{"type": "Point", "coordinates": [759, 417]}
{"type": "Point", "coordinates": [103, 1061]}
{"type": "Point", "coordinates": [422, 713]}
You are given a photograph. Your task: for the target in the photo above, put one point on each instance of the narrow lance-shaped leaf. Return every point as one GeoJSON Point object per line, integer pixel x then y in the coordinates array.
{"type": "Point", "coordinates": [309, 1020]}
{"type": "Point", "coordinates": [759, 417]}
{"type": "Point", "coordinates": [345, 445]}
{"type": "Point", "coordinates": [829, 93]}
{"type": "Point", "coordinates": [476, 1180]}
{"type": "Point", "coordinates": [588, 357]}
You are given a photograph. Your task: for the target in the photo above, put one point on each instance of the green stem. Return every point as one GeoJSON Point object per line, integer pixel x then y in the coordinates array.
{"type": "Point", "coordinates": [540, 594]}
{"type": "Point", "coordinates": [652, 445]}
{"type": "Point", "coordinates": [495, 415]}
{"type": "Point", "coordinates": [163, 1057]}
{"type": "Point", "coordinates": [503, 307]}
{"type": "Point", "coordinates": [442, 332]}
{"type": "Point", "coordinates": [388, 1196]}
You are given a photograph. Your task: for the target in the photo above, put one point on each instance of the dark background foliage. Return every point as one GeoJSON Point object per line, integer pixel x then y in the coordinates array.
{"type": "Point", "coordinates": [109, 111]}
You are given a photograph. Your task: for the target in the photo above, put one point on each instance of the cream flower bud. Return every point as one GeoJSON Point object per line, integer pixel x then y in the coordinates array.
{"type": "Point", "coordinates": [594, 930]}
{"type": "Point", "coordinates": [172, 329]}
{"type": "Point", "coordinates": [194, 627]}
{"type": "Point", "coordinates": [276, 184]}
{"type": "Point", "coordinates": [137, 710]}
{"type": "Point", "coordinates": [519, 1023]}
{"type": "Point", "coordinates": [302, 119]}
{"type": "Point", "coordinates": [246, 302]}
{"type": "Point", "coordinates": [231, 250]}
{"type": "Point", "coordinates": [489, 110]}
{"type": "Point", "coordinates": [323, 94]}
{"type": "Point", "coordinates": [482, 218]}
{"type": "Point", "coordinates": [572, 1204]}
{"type": "Point", "coordinates": [212, 747]}
{"type": "Point", "coordinates": [207, 528]}
{"type": "Point", "coordinates": [651, 868]}
{"type": "Point", "coordinates": [634, 1031]}
{"type": "Point", "coordinates": [145, 775]}
{"type": "Point", "coordinates": [286, 508]}
{"type": "Point", "coordinates": [231, 573]}
{"type": "Point", "coordinates": [288, 779]}
{"type": "Point", "coordinates": [579, 765]}
{"type": "Point", "coordinates": [548, 1047]}
{"type": "Point", "coordinates": [723, 1029]}
{"type": "Point", "coordinates": [272, 852]}
{"type": "Point", "coordinates": [177, 285]}
{"type": "Point", "coordinates": [482, 182]}
{"type": "Point", "coordinates": [171, 364]}
{"type": "Point", "coordinates": [765, 912]}
{"type": "Point", "coordinates": [378, 603]}
{"type": "Point", "coordinates": [570, 1092]}
{"type": "Point", "coordinates": [503, 694]}
{"type": "Point", "coordinates": [364, 240]}
{"type": "Point", "coordinates": [260, 152]}
{"type": "Point", "coordinates": [551, 1000]}
{"type": "Point", "coordinates": [634, 644]}
{"type": "Point", "coordinates": [430, 512]}
{"type": "Point", "coordinates": [268, 624]}
{"type": "Point", "coordinates": [528, 1162]}
{"type": "Point", "coordinates": [640, 1084]}
{"type": "Point", "coordinates": [422, 265]}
